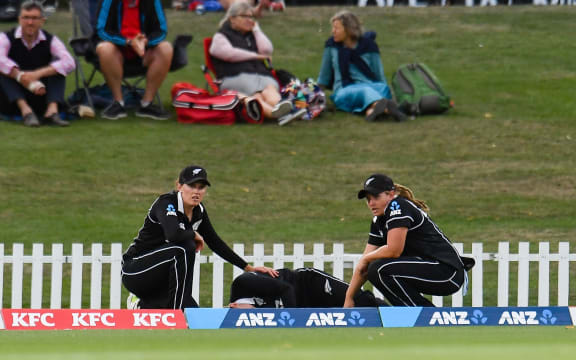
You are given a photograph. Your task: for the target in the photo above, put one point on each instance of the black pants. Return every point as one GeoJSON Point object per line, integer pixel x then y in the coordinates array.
{"type": "Point", "coordinates": [404, 279]}
{"type": "Point", "coordinates": [11, 91]}
{"type": "Point", "coordinates": [162, 278]}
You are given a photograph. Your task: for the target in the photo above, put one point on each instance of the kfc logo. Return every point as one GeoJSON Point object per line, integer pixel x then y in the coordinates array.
{"type": "Point", "coordinates": [67, 319]}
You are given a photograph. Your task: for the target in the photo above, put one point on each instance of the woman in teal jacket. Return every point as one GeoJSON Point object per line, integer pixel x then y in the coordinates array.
{"type": "Point", "coordinates": [351, 66]}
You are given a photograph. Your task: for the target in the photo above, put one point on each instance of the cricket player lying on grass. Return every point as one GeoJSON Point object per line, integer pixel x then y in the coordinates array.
{"type": "Point", "coordinates": [301, 288]}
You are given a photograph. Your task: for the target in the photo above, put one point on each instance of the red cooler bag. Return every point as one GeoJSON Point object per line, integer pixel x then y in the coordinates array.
{"type": "Point", "coordinates": [196, 105]}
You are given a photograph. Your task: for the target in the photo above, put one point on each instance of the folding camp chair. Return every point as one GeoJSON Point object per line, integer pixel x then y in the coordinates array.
{"type": "Point", "coordinates": [84, 46]}
{"type": "Point", "coordinates": [212, 81]}
{"type": "Point", "coordinates": [208, 67]}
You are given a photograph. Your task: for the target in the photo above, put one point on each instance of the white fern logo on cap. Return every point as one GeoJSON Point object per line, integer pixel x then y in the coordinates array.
{"type": "Point", "coordinates": [196, 171]}
{"type": "Point", "coordinates": [369, 181]}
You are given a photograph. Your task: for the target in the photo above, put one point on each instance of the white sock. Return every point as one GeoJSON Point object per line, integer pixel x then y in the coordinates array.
{"type": "Point", "coordinates": [121, 102]}
{"type": "Point", "coordinates": [144, 103]}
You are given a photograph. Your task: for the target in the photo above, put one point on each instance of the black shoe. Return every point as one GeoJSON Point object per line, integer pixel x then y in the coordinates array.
{"type": "Point", "coordinates": [114, 111]}
{"type": "Point", "coordinates": [385, 108]}
{"type": "Point", "coordinates": [56, 120]}
{"type": "Point", "coordinates": [153, 111]}
{"type": "Point", "coordinates": [395, 112]}
{"type": "Point", "coordinates": [31, 120]}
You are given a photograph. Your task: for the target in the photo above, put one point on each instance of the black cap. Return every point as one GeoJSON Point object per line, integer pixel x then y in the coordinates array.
{"type": "Point", "coordinates": [375, 184]}
{"type": "Point", "coordinates": [193, 173]}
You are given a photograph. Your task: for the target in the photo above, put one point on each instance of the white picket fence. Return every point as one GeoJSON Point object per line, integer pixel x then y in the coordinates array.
{"type": "Point", "coordinates": [29, 269]}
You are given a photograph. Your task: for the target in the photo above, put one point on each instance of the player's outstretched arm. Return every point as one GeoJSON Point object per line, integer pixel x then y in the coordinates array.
{"type": "Point", "coordinates": [262, 269]}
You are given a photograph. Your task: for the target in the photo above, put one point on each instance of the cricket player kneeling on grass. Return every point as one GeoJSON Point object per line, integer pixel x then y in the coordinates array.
{"type": "Point", "coordinates": [305, 287]}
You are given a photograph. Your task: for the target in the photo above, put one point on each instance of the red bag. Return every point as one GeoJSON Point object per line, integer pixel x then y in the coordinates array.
{"type": "Point", "coordinates": [196, 105]}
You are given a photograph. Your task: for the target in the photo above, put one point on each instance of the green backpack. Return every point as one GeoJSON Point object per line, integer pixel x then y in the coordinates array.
{"type": "Point", "coordinates": [418, 91]}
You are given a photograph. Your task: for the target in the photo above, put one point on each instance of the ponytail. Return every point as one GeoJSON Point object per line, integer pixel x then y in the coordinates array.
{"type": "Point", "coordinates": [406, 193]}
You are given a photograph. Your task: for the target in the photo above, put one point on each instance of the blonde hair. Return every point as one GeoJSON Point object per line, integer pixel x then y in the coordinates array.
{"type": "Point", "coordinates": [406, 193]}
{"type": "Point", "coordinates": [350, 22]}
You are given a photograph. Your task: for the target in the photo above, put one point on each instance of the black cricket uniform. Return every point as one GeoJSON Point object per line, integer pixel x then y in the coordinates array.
{"type": "Point", "coordinates": [429, 263]}
{"type": "Point", "coordinates": [158, 266]}
{"type": "Point", "coordinates": [303, 288]}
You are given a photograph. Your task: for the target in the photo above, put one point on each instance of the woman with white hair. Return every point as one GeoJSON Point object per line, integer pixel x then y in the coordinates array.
{"type": "Point", "coordinates": [239, 52]}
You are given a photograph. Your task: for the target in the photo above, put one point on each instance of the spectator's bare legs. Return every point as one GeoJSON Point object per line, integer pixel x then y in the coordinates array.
{"type": "Point", "coordinates": [112, 66]}
{"type": "Point", "coordinates": [25, 109]}
{"type": "Point", "coordinates": [51, 109]}
{"type": "Point", "coordinates": [269, 97]}
{"type": "Point", "coordinates": [157, 60]}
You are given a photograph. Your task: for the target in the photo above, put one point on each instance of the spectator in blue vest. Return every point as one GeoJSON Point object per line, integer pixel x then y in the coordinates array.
{"type": "Point", "coordinates": [33, 66]}
{"type": "Point", "coordinates": [352, 68]}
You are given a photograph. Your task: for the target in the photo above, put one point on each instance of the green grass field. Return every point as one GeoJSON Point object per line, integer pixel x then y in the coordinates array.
{"type": "Point", "coordinates": [403, 343]}
{"type": "Point", "coordinates": [498, 167]}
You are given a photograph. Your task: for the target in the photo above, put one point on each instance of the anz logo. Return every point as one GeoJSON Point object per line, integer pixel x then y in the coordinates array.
{"type": "Point", "coordinates": [506, 317]}
{"type": "Point", "coordinates": [527, 318]}
{"type": "Point", "coordinates": [170, 210]}
{"type": "Point", "coordinates": [322, 319]}
{"type": "Point", "coordinates": [264, 319]}
{"type": "Point", "coordinates": [395, 209]}
{"type": "Point", "coordinates": [449, 318]}
{"type": "Point", "coordinates": [312, 319]}
{"type": "Point", "coordinates": [256, 320]}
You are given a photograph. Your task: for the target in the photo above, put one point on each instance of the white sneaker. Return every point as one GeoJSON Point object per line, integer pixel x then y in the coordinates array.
{"type": "Point", "coordinates": [132, 302]}
{"type": "Point", "coordinates": [281, 109]}
{"type": "Point", "coordinates": [292, 116]}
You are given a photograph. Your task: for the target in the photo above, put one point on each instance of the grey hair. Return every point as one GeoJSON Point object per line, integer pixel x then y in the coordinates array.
{"type": "Point", "coordinates": [350, 22]}
{"type": "Point", "coordinates": [237, 8]}
{"type": "Point", "coordinates": [32, 4]}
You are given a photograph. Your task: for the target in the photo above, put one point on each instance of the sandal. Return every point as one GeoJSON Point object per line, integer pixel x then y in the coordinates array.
{"type": "Point", "coordinates": [380, 110]}
{"type": "Point", "coordinates": [385, 108]}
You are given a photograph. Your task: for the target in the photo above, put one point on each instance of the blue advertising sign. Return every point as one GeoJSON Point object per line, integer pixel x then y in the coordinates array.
{"type": "Point", "coordinates": [475, 316]}
{"type": "Point", "coordinates": [282, 318]}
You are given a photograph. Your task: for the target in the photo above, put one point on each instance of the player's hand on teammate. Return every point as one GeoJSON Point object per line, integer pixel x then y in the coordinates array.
{"type": "Point", "coordinates": [199, 241]}
{"type": "Point", "coordinates": [262, 269]}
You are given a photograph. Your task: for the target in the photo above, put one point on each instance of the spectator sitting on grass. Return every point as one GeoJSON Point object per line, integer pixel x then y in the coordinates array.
{"type": "Point", "coordinates": [351, 66]}
{"type": "Point", "coordinates": [33, 66]}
